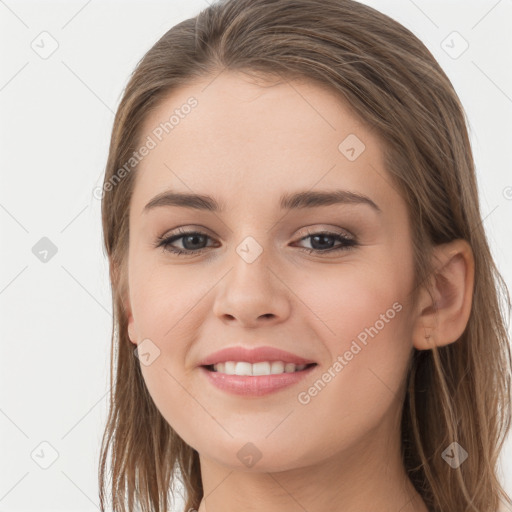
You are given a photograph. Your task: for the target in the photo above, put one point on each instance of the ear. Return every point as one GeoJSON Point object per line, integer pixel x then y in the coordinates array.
{"type": "Point", "coordinates": [129, 319]}
{"type": "Point", "coordinates": [442, 321]}
{"type": "Point", "coordinates": [118, 279]}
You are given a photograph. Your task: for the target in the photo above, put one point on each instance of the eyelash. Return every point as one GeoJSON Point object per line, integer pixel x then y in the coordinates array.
{"type": "Point", "coordinates": [165, 243]}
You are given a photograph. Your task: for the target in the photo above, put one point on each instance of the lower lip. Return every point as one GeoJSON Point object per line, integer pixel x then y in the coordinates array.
{"type": "Point", "coordinates": [257, 385]}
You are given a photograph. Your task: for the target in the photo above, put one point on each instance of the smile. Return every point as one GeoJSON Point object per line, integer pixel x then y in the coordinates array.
{"type": "Point", "coordinates": [257, 379]}
{"type": "Point", "coordinates": [255, 369]}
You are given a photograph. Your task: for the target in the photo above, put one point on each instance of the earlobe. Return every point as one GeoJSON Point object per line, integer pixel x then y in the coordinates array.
{"type": "Point", "coordinates": [118, 278]}
{"type": "Point", "coordinates": [131, 333]}
{"type": "Point", "coordinates": [442, 318]}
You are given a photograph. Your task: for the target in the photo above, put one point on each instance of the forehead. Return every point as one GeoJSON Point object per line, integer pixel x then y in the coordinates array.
{"type": "Point", "coordinates": [234, 138]}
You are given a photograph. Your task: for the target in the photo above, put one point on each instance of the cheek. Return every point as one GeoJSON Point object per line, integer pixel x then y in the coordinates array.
{"type": "Point", "coordinates": [362, 320]}
{"type": "Point", "coordinates": [165, 304]}
{"type": "Point", "coordinates": [359, 390]}
{"type": "Point", "coordinates": [161, 296]}
{"type": "Point", "coordinates": [354, 303]}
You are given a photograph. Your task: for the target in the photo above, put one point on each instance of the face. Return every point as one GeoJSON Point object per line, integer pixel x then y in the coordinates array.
{"type": "Point", "coordinates": [328, 281]}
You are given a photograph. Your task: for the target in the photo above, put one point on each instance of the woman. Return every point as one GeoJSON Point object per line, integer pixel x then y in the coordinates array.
{"type": "Point", "coordinates": [335, 341]}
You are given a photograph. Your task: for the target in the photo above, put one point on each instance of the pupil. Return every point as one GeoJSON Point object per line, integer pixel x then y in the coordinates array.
{"type": "Point", "coordinates": [323, 237]}
{"type": "Point", "coordinates": [191, 237]}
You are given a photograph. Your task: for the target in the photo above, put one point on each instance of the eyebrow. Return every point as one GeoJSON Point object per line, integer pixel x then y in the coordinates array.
{"type": "Point", "coordinates": [294, 201]}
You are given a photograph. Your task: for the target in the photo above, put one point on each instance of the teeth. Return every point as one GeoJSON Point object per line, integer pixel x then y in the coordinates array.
{"type": "Point", "coordinates": [262, 368]}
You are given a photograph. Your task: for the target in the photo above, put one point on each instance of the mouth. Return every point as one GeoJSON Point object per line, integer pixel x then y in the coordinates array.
{"type": "Point", "coordinates": [256, 379]}
{"type": "Point", "coordinates": [262, 368]}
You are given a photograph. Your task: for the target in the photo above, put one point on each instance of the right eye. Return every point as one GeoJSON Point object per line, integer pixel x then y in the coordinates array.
{"type": "Point", "coordinates": [189, 238]}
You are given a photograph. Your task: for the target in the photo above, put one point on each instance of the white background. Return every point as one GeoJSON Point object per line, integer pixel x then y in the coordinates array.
{"type": "Point", "coordinates": [55, 119]}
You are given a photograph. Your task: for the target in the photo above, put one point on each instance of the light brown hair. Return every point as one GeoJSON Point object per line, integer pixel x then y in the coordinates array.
{"type": "Point", "coordinates": [459, 392]}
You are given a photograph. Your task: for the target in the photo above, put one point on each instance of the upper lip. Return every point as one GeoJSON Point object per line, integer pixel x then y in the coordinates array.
{"type": "Point", "coordinates": [254, 355]}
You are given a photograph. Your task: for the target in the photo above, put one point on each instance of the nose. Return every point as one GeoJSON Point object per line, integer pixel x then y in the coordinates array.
{"type": "Point", "coordinates": [252, 294]}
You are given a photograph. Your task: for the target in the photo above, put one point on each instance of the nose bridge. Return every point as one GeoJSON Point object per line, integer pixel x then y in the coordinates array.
{"type": "Point", "coordinates": [251, 234]}
{"type": "Point", "coordinates": [251, 261]}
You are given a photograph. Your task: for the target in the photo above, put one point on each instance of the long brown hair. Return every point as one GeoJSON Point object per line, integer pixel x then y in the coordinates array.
{"type": "Point", "coordinates": [456, 393]}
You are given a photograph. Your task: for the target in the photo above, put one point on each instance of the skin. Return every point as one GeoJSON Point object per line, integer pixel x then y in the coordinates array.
{"type": "Point", "coordinates": [246, 143]}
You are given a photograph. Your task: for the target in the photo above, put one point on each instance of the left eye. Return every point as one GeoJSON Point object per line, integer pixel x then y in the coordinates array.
{"type": "Point", "coordinates": [191, 239]}
{"type": "Point", "coordinates": [321, 240]}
